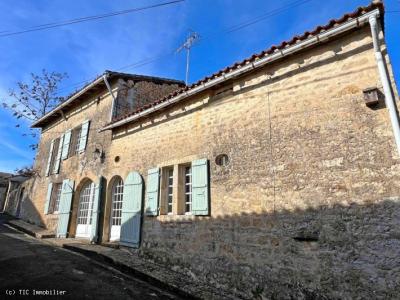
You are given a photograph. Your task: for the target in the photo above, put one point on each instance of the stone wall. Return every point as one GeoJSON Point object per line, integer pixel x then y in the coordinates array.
{"type": "Point", "coordinates": [309, 203]}
{"type": "Point", "coordinates": [134, 95]}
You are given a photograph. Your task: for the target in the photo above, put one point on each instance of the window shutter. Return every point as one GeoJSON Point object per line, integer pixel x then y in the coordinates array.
{"type": "Point", "coordinates": [67, 142]}
{"type": "Point", "coordinates": [84, 136]}
{"type": "Point", "coordinates": [200, 188]}
{"type": "Point", "coordinates": [96, 210]}
{"type": "Point", "coordinates": [64, 209]}
{"type": "Point", "coordinates": [132, 210]}
{"type": "Point", "coordinates": [56, 168]}
{"type": "Point", "coordinates": [50, 157]}
{"type": "Point", "coordinates": [48, 198]}
{"type": "Point", "coordinates": [153, 184]}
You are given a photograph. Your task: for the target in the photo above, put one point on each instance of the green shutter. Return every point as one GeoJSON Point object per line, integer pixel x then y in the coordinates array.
{"type": "Point", "coordinates": [96, 210]}
{"type": "Point", "coordinates": [153, 183]}
{"type": "Point", "coordinates": [200, 188]}
{"type": "Point", "coordinates": [132, 210]}
{"type": "Point", "coordinates": [57, 162]}
{"type": "Point", "coordinates": [48, 198]}
{"type": "Point", "coordinates": [50, 157]}
{"type": "Point", "coordinates": [64, 209]}
{"type": "Point", "coordinates": [67, 141]}
{"type": "Point", "coordinates": [84, 136]}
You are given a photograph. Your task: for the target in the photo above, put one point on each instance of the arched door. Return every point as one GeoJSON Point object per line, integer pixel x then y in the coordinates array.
{"type": "Point", "coordinates": [131, 215]}
{"type": "Point", "coordinates": [117, 194]}
{"type": "Point", "coordinates": [85, 209]}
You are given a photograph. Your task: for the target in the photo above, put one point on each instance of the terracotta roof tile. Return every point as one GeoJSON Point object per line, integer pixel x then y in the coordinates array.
{"type": "Point", "coordinates": [332, 23]}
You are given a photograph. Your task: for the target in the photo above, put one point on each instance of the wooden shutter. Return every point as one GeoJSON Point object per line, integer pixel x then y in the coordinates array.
{"type": "Point", "coordinates": [48, 198]}
{"type": "Point", "coordinates": [84, 136]}
{"type": "Point", "coordinates": [64, 209]}
{"type": "Point", "coordinates": [50, 157]}
{"type": "Point", "coordinates": [96, 210]}
{"type": "Point", "coordinates": [153, 183]}
{"type": "Point", "coordinates": [56, 168]}
{"type": "Point", "coordinates": [200, 188]}
{"type": "Point", "coordinates": [132, 210]}
{"type": "Point", "coordinates": [67, 142]}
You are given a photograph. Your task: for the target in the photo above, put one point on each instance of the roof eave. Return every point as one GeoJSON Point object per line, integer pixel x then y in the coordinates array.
{"type": "Point", "coordinates": [37, 124]}
{"type": "Point", "coordinates": [278, 54]}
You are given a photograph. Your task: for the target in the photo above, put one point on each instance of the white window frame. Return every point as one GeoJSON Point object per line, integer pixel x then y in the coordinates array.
{"type": "Point", "coordinates": [170, 191]}
{"type": "Point", "coordinates": [77, 139]}
{"type": "Point", "coordinates": [188, 194]}
{"type": "Point", "coordinates": [117, 194]}
{"type": "Point", "coordinates": [56, 197]}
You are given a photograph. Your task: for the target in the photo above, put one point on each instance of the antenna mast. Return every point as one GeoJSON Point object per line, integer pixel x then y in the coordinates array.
{"type": "Point", "coordinates": [190, 40]}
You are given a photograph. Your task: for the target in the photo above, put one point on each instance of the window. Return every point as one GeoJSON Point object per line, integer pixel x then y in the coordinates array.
{"type": "Point", "coordinates": [56, 197]}
{"type": "Point", "coordinates": [170, 189]}
{"type": "Point", "coordinates": [54, 155]}
{"type": "Point", "coordinates": [184, 189]}
{"type": "Point", "coordinates": [222, 160]}
{"type": "Point", "coordinates": [86, 204]}
{"type": "Point", "coordinates": [75, 137]}
{"type": "Point", "coordinates": [188, 190]}
{"type": "Point", "coordinates": [117, 195]}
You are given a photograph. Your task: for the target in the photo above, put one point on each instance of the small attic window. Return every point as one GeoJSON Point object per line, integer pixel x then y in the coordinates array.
{"type": "Point", "coordinates": [222, 160]}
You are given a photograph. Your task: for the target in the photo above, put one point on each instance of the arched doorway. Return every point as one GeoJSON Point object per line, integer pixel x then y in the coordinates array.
{"type": "Point", "coordinates": [117, 193]}
{"type": "Point", "coordinates": [85, 209]}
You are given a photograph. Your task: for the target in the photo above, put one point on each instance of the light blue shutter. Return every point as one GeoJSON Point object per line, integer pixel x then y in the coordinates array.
{"type": "Point", "coordinates": [200, 192]}
{"type": "Point", "coordinates": [64, 209]}
{"type": "Point", "coordinates": [67, 141]}
{"type": "Point", "coordinates": [132, 210]}
{"type": "Point", "coordinates": [153, 182]}
{"type": "Point", "coordinates": [50, 157]}
{"type": "Point", "coordinates": [48, 198]}
{"type": "Point", "coordinates": [84, 136]}
{"type": "Point", "coordinates": [96, 210]}
{"type": "Point", "coordinates": [56, 168]}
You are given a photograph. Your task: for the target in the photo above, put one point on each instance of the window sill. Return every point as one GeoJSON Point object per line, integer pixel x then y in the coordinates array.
{"type": "Point", "coordinates": [189, 218]}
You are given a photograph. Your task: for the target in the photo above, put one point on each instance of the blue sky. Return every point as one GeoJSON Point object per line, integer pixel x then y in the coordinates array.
{"type": "Point", "coordinates": [87, 49]}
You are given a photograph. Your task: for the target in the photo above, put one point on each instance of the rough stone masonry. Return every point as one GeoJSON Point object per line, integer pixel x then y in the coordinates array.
{"type": "Point", "coordinates": [308, 205]}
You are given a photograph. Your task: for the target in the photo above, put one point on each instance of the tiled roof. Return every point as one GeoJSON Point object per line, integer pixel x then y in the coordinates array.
{"type": "Point", "coordinates": [332, 23]}
{"type": "Point", "coordinates": [72, 98]}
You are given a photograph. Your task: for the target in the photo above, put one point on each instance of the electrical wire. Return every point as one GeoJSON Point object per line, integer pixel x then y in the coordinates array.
{"type": "Point", "coordinates": [228, 30]}
{"type": "Point", "coordinates": [85, 19]}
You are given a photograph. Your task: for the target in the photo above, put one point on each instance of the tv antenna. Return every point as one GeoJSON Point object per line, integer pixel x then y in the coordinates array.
{"type": "Point", "coordinates": [190, 40]}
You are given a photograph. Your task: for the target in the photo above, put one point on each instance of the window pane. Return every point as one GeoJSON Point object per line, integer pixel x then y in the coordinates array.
{"type": "Point", "coordinates": [188, 189]}
{"type": "Point", "coordinates": [117, 197]}
{"type": "Point", "coordinates": [170, 190]}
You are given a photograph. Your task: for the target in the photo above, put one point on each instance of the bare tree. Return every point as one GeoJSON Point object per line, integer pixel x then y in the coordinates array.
{"type": "Point", "coordinates": [32, 101]}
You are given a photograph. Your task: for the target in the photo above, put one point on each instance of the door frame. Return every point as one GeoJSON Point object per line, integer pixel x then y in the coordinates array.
{"type": "Point", "coordinates": [86, 235]}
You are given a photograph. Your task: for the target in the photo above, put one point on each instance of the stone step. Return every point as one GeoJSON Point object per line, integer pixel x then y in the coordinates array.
{"type": "Point", "coordinates": [31, 229]}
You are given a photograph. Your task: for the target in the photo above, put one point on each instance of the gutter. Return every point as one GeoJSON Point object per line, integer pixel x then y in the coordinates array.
{"type": "Point", "coordinates": [387, 88]}
{"type": "Point", "coordinates": [317, 39]}
{"type": "Point", "coordinates": [105, 76]}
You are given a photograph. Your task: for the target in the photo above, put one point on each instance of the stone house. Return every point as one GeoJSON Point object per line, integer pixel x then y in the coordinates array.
{"type": "Point", "coordinates": [276, 176]}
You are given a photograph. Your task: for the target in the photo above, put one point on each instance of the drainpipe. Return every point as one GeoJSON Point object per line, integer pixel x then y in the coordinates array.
{"type": "Point", "coordinates": [112, 95]}
{"type": "Point", "coordinates": [389, 99]}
